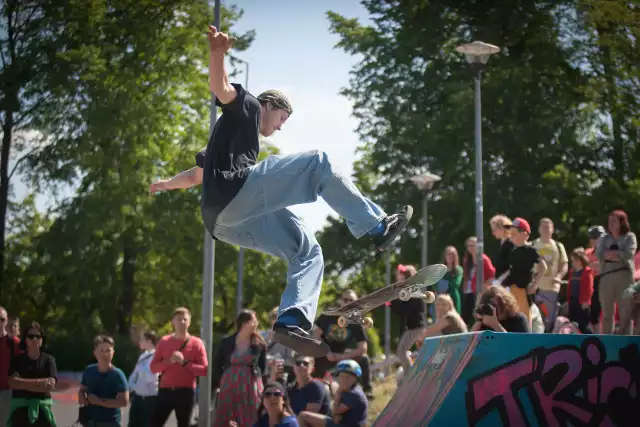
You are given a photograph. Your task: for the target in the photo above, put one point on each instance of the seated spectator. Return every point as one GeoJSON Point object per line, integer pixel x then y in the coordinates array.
{"type": "Point", "coordinates": [498, 311]}
{"type": "Point", "coordinates": [579, 290]}
{"type": "Point", "coordinates": [448, 321]}
{"type": "Point", "coordinates": [275, 410]}
{"type": "Point", "coordinates": [103, 387]}
{"type": "Point", "coordinates": [32, 376]}
{"type": "Point", "coordinates": [341, 341]}
{"type": "Point", "coordinates": [350, 406]}
{"type": "Point", "coordinates": [308, 394]}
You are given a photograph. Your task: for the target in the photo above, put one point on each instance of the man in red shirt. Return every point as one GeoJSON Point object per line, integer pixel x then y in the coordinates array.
{"type": "Point", "coordinates": [8, 347]}
{"type": "Point", "coordinates": [179, 359]}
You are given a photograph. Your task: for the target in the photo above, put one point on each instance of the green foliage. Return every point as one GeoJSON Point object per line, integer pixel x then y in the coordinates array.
{"type": "Point", "coordinates": [559, 119]}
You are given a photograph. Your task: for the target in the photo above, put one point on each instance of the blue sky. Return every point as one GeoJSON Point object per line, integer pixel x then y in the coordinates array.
{"type": "Point", "coordinates": [294, 52]}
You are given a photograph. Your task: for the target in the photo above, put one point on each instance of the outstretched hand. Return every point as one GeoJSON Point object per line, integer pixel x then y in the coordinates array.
{"type": "Point", "coordinates": [157, 186]}
{"type": "Point", "coordinates": [218, 42]}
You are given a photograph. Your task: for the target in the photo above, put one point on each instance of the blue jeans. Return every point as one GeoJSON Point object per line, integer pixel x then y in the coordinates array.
{"type": "Point", "coordinates": [258, 218]}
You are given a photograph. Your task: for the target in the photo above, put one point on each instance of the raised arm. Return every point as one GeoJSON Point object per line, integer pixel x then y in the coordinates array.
{"type": "Point", "coordinates": [219, 44]}
{"type": "Point", "coordinates": [187, 179]}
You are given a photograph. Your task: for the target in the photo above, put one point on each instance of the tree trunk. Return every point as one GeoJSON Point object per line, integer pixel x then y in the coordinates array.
{"type": "Point", "coordinates": [125, 309]}
{"type": "Point", "coordinates": [4, 188]}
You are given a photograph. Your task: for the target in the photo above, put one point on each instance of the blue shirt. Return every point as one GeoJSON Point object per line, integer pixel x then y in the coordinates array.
{"type": "Point", "coordinates": [358, 406]}
{"type": "Point", "coordinates": [105, 385]}
{"type": "Point", "coordinates": [314, 392]}
{"type": "Point", "coordinates": [289, 421]}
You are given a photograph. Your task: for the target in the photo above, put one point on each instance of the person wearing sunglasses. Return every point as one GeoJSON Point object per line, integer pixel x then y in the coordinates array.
{"type": "Point", "coordinates": [275, 410]}
{"type": "Point", "coordinates": [32, 376]}
{"type": "Point", "coordinates": [350, 406]}
{"type": "Point", "coordinates": [308, 394]}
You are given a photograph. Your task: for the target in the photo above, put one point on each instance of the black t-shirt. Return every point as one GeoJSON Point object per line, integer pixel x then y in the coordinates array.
{"type": "Point", "coordinates": [522, 261]}
{"type": "Point", "coordinates": [515, 323]}
{"type": "Point", "coordinates": [339, 339]}
{"type": "Point", "coordinates": [314, 392]}
{"type": "Point", "coordinates": [503, 258]}
{"type": "Point", "coordinates": [27, 368]}
{"type": "Point", "coordinates": [233, 147]}
{"type": "Point", "coordinates": [413, 313]}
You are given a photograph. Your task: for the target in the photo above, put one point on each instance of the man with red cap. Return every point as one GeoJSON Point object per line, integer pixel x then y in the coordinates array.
{"type": "Point", "coordinates": [521, 281]}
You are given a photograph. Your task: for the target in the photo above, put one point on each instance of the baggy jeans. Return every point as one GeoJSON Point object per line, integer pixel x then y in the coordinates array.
{"type": "Point", "coordinates": [258, 218]}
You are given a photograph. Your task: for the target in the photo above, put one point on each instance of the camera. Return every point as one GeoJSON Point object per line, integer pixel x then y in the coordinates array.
{"type": "Point", "coordinates": [485, 309]}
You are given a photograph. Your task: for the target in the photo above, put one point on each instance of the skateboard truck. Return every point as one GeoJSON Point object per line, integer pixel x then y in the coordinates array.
{"type": "Point", "coordinates": [355, 316]}
{"type": "Point", "coordinates": [416, 291]}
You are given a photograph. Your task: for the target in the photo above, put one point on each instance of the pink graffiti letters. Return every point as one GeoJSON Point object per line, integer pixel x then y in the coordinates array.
{"type": "Point", "coordinates": [565, 385]}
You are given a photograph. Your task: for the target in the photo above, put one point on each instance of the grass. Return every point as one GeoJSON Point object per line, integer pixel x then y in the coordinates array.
{"type": "Point", "coordinates": [382, 392]}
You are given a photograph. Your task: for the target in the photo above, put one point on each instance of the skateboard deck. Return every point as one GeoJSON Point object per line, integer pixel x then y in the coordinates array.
{"type": "Point", "coordinates": [405, 290]}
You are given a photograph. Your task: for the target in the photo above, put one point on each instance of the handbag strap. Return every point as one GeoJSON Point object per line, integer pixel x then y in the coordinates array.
{"type": "Point", "coordinates": [182, 347]}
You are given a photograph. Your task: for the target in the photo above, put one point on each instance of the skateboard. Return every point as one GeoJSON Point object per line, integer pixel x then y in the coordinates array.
{"type": "Point", "coordinates": [413, 287]}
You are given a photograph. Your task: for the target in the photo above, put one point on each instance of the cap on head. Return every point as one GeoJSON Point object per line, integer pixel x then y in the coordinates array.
{"type": "Point", "coordinates": [596, 231]}
{"type": "Point", "coordinates": [277, 99]}
{"type": "Point", "coordinates": [521, 224]}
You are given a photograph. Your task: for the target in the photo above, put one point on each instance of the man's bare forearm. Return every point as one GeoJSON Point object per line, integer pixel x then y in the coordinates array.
{"type": "Point", "coordinates": [187, 179]}
{"type": "Point", "coordinates": [219, 80]}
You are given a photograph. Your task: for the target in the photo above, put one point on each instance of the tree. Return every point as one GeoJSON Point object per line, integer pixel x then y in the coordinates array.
{"type": "Point", "coordinates": [542, 117]}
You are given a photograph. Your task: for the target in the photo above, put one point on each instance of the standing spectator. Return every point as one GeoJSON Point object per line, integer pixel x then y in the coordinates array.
{"type": "Point", "coordinates": [595, 233]}
{"type": "Point", "coordinates": [180, 358]}
{"type": "Point", "coordinates": [143, 383]}
{"type": "Point", "coordinates": [413, 317]}
{"type": "Point", "coordinates": [240, 372]}
{"type": "Point", "coordinates": [32, 376]}
{"type": "Point", "coordinates": [615, 251]}
{"type": "Point", "coordinates": [501, 230]}
{"type": "Point", "coordinates": [498, 311]}
{"type": "Point", "coordinates": [350, 406]}
{"type": "Point", "coordinates": [555, 257]}
{"type": "Point", "coordinates": [339, 339]}
{"type": "Point", "coordinates": [448, 320]}
{"type": "Point", "coordinates": [632, 294]}
{"type": "Point", "coordinates": [13, 327]}
{"type": "Point", "coordinates": [308, 394]}
{"type": "Point", "coordinates": [453, 276]}
{"type": "Point", "coordinates": [580, 290]}
{"type": "Point", "coordinates": [8, 347]}
{"type": "Point", "coordinates": [277, 352]}
{"type": "Point", "coordinates": [521, 280]}
{"type": "Point", "coordinates": [469, 278]}
{"type": "Point", "coordinates": [103, 387]}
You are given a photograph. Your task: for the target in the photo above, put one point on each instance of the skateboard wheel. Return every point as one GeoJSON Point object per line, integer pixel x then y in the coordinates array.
{"type": "Point", "coordinates": [430, 297]}
{"type": "Point", "coordinates": [405, 295]}
{"type": "Point", "coordinates": [367, 322]}
{"type": "Point", "coordinates": [342, 322]}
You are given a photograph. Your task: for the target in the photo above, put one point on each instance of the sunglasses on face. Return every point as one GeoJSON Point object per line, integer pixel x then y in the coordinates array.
{"type": "Point", "coordinates": [302, 363]}
{"type": "Point", "coordinates": [34, 336]}
{"type": "Point", "coordinates": [273, 394]}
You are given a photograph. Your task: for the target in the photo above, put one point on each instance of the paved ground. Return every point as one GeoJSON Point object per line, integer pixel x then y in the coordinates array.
{"type": "Point", "coordinates": [66, 410]}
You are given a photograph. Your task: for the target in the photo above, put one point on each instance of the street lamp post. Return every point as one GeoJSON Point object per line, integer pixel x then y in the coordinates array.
{"type": "Point", "coordinates": [240, 285]}
{"type": "Point", "coordinates": [425, 183]}
{"type": "Point", "coordinates": [477, 55]}
{"type": "Point", "coordinates": [204, 398]}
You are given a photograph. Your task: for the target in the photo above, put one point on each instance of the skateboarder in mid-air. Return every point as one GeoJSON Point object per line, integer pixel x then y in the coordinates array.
{"type": "Point", "coordinates": [245, 203]}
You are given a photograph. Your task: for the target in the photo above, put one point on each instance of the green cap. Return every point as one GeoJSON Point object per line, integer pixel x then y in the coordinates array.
{"type": "Point", "coordinates": [276, 99]}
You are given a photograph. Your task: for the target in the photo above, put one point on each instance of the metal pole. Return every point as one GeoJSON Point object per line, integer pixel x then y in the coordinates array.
{"type": "Point", "coordinates": [240, 290]}
{"type": "Point", "coordinates": [479, 208]}
{"type": "Point", "coordinates": [425, 231]}
{"type": "Point", "coordinates": [204, 397]}
{"type": "Point", "coordinates": [239, 295]}
{"type": "Point", "coordinates": [387, 311]}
